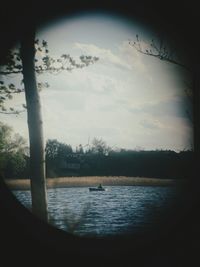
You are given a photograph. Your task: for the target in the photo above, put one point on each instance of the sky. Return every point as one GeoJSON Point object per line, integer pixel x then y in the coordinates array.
{"type": "Point", "coordinates": [128, 99]}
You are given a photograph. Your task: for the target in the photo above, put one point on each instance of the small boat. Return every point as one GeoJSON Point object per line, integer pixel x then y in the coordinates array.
{"type": "Point", "coordinates": [96, 189]}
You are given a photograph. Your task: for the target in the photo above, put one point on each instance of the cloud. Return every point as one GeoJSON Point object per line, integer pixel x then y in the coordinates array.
{"type": "Point", "coordinates": [114, 99]}
{"type": "Point", "coordinates": [106, 56]}
{"type": "Point", "coordinates": [132, 57]}
{"type": "Point", "coordinates": [172, 107]}
{"type": "Point", "coordinates": [151, 124]}
{"type": "Point", "coordinates": [124, 57]}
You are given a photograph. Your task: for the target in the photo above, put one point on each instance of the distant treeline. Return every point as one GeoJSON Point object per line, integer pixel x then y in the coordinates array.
{"type": "Point", "coordinates": [158, 164]}
{"type": "Point", "coordinates": [100, 160]}
{"type": "Point", "coordinates": [95, 159]}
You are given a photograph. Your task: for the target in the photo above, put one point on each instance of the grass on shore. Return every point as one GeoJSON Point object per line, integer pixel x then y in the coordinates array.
{"type": "Point", "coordinates": [24, 184]}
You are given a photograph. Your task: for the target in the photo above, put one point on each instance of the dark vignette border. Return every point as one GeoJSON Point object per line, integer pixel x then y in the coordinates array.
{"type": "Point", "coordinates": [27, 241]}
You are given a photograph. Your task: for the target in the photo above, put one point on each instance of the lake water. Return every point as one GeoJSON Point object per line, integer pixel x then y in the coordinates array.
{"type": "Point", "coordinates": [118, 210]}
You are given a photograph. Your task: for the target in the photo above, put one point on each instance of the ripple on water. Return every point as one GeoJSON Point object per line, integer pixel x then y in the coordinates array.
{"type": "Point", "coordinates": [117, 210]}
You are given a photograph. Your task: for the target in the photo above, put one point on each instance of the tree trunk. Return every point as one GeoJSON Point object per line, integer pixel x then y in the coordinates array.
{"type": "Point", "coordinates": [35, 127]}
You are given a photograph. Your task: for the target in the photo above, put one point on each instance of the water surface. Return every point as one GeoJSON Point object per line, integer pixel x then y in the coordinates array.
{"type": "Point", "coordinates": [118, 210]}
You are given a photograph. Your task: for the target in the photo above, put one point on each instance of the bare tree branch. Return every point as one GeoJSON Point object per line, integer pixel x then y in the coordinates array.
{"type": "Point", "coordinates": [161, 53]}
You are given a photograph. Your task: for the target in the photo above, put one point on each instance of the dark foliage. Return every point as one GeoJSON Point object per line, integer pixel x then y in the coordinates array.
{"type": "Point", "coordinates": [14, 161]}
{"type": "Point", "coordinates": [62, 161]}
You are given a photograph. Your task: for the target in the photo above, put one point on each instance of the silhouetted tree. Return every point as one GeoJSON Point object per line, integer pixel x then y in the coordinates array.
{"type": "Point", "coordinates": [99, 146]}
{"type": "Point", "coordinates": [56, 154]}
{"type": "Point", "coordinates": [79, 149]}
{"type": "Point", "coordinates": [24, 62]}
{"type": "Point", "coordinates": [56, 149]}
{"type": "Point", "coordinates": [12, 152]}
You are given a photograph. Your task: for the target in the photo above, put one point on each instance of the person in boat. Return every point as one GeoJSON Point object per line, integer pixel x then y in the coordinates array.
{"type": "Point", "coordinates": [100, 186]}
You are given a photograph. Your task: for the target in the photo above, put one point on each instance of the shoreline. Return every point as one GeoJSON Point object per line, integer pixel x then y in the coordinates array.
{"type": "Point", "coordinates": [87, 181]}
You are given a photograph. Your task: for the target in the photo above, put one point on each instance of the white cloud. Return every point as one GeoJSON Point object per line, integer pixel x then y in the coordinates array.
{"type": "Point", "coordinates": [125, 56]}
{"type": "Point", "coordinates": [167, 107]}
{"type": "Point", "coordinates": [105, 55]}
{"type": "Point", "coordinates": [123, 98]}
{"type": "Point", "coordinates": [132, 57]}
{"type": "Point", "coordinates": [151, 124]}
